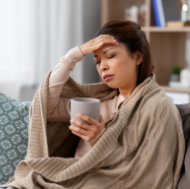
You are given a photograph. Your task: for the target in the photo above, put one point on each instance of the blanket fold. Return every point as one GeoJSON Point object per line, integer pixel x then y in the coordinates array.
{"type": "Point", "coordinates": [144, 138]}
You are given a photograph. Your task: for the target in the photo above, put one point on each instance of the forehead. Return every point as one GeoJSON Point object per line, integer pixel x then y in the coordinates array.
{"type": "Point", "coordinates": [104, 48]}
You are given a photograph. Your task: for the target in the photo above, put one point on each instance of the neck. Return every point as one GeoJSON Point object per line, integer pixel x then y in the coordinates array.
{"type": "Point", "coordinates": [127, 90]}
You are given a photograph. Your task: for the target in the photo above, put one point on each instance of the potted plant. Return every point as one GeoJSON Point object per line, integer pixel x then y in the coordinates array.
{"type": "Point", "coordinates": [175, 76]}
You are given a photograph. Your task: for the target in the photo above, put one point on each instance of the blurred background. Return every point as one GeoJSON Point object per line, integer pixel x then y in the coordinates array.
{"type": "Point", "coordinates": [34, 34]}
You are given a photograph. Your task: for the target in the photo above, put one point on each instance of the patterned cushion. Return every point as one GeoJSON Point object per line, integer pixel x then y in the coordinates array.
{"type": "Point", "coordinates": [14, 117]}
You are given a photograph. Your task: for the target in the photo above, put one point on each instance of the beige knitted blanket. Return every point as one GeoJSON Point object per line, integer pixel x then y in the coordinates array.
{"type": "Point", "coordinates": [142, 148]}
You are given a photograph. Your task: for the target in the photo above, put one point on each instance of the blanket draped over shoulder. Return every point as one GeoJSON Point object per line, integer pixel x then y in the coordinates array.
{"type": "Point", "coordinates": [142, 147]}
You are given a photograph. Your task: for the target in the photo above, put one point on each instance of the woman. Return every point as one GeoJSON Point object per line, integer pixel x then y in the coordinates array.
{"type": "Point", "coordinates": [122, 60]}
{"type": "Point", "coordinates": [138, 141]}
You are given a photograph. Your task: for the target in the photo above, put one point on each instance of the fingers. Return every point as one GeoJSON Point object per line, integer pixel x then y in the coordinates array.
{"type": "Point", "coordinates": [85, 131]}
{"type": "Point", "coordinates": [94, 125]}
{"type": "Point", "coordinates": [78, 130]}
{"type": "Point", "coordinates": [102, 40]}
{"type": "Point", "coordinates": [96, 43]}
{"type": "Point", "coordinates": [80, 124]}
{"type": "Point", "coordinates": [88, 119]}
{"type": "Point", "coordinates": [84, 134]}
{"type": "Point", "coordinates": [105, 39]}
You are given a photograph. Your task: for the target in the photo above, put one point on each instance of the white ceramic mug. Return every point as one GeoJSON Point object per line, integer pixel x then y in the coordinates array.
{"type": "Point", "coordinates": [84, 105]}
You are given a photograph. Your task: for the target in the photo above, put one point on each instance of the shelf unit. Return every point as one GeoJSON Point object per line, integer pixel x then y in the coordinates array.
{"type": "Point", "coordinates": [168, 44]}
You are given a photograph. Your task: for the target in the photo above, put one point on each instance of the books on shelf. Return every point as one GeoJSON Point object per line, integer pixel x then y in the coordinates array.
{"type": "Point", "coordinates": [165, 11]}
{"type": "Point", "coordinates": [158, 13]}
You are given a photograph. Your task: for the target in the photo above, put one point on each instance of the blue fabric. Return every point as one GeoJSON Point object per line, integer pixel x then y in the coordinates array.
{"type": "Point", "coordinates": [14, 118]}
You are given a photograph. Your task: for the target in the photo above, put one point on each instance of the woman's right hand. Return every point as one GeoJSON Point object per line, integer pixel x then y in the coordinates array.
{"type": "Point", "coordinates": [96, 43]}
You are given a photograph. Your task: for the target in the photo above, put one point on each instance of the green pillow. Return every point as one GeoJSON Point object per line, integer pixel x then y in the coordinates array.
{"type": "Point", "coordinates": [14, 118]}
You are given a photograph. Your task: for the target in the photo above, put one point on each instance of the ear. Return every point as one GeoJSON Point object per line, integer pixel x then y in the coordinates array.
{"type": "Point", "coordinates": [138, 57]}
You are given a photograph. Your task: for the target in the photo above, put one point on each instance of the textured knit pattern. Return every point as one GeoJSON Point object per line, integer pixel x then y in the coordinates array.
{"type": "Point", "coordinates": [143, 146]}
{"type": "Point", "coordinates": [14, 118]}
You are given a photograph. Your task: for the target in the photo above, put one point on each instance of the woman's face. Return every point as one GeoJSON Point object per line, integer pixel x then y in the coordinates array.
{"type": "Point", "coordinates": [115, 60]}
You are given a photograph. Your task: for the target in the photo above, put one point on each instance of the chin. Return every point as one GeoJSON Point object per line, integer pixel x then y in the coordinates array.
{"type": "Point", "coordinates": [111, 86]}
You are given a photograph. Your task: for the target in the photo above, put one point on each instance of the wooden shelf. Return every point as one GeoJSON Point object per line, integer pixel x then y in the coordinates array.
{"type": "Point", "coordinates": [174, 89]}
{"type": "Point", "coordinates": [167, 44]}
{"type": "Point", "coordinates": [166, 29]}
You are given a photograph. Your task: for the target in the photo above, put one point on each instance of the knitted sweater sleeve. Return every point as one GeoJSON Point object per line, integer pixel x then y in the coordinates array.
{"type": "Point", "coordinates": [56, 105]}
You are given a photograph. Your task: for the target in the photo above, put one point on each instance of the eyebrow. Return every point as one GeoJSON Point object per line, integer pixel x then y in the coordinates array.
{"type": "Point", "coordinates": [103, 52]}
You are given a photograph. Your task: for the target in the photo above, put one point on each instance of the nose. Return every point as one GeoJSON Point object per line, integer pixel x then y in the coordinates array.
{"type": "Point", "coordinates": [103, 65]}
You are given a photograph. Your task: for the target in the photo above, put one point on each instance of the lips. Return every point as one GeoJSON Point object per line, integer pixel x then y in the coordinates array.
{"type": "Point", "coordinates": [107, 75]}
{"type": "Point", "coordinates": [108, 78]}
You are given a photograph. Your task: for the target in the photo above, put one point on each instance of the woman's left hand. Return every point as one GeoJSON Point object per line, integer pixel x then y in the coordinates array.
{"type": "Point", "coordinates": [85, 131]}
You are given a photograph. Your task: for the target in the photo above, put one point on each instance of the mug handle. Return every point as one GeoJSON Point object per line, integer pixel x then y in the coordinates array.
{"type": "Point", "coordinates": [68, 106]}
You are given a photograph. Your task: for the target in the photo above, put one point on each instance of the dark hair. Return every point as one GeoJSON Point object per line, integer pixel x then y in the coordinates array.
{"type": "Point", "coordinates": [130, 34]}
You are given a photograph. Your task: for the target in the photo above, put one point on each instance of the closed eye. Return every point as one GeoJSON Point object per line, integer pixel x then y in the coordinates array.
{"type": "Point", "coordinates": [107, 57]}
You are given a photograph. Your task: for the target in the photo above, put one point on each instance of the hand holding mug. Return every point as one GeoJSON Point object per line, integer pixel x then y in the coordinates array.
{"type": "Point", "coordinates": [86, 120]}
{"type": "Point", "coordinates": [85, 131]}
{"type": "Point", "coordinates": [96, 43]}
